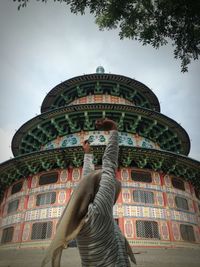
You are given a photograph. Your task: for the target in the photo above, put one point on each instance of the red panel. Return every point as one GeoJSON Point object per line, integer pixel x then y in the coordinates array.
{"type": "Point", "coordinates": [118, 174]}
{"type": "Point", "coordinates": [26, 202]}
{"type": "Point", "coordinates": [68, 194]}
{"type": "Point", "coordinates": [21, 232]}
{"type": "Point", "coordinates": [29, 179]}
{"type": "Point", "coordinates": [165, 199]}
{"type": "Point", "coordinates": [162, 179]}
{"type": "Point", "coordinates": [70, 174]}
{"type": "Point", "coordinates": [119, 200]}
{"type": "Point", "coordinates": [121, 224]}
{"type": "Point", "coordinates": [191, 188]}
{"type": "Point", "coordinates": [171, 236]}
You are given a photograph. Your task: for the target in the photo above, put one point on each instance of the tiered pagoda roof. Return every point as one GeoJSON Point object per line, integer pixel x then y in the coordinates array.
{"type": "Point", "coordinates": [61, 115]}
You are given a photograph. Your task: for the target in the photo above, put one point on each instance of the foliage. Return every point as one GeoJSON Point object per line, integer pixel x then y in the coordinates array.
{"type": "Point", "coordinates": [154, 22]}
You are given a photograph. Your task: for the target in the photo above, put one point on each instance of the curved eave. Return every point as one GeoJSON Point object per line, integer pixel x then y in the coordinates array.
{"type": "Point", "coordinates": [74, 118]}
{"type": "Point", "coordinates": [162, 161]}
{"type": "Point", "coordinates": [49, 100]}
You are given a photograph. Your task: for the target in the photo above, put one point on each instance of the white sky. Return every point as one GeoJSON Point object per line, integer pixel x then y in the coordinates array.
{"type": "Point", "coordinates": [45, 44]}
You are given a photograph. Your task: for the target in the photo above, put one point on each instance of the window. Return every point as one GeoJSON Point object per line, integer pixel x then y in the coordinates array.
{"type": "Point", "coordinates": [178, 183]}
{"type": "Point", "coordinates": [181, 203]}
{"type": "Point", "coordinates": [147, 229]}
{"type": "Point", "coordinates": [197, 193]}
{"type": "Point", "coordinates": [144, 177]}
{"type": "Point", "coordinates": [48, 178]}
{"type": "Point", "coordinates": [41, 230]}
{"type": "Point", "coordinates": [7, 235]}
{"type": "Point", "coordinates": [46, 198]}
{"type": "Point", "coordinates": [187, 232]}
{"type": "Point", "coordinates": [13, 206]}
{"type": "Point", "coordinates": [143, 196]}
{"type": "Point", "coordinates": [16, 188]}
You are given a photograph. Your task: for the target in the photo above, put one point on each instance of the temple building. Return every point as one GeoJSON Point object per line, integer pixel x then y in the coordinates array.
{"type": "Point", "coordinates": [159, 204]}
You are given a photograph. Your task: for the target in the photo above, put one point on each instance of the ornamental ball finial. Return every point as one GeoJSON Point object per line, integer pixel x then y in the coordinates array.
{"type": "Point", "coordinates": [100, 69]}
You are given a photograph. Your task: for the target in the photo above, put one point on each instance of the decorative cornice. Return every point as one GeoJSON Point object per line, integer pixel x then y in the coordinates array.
{"type": "Point", "coordinates": [162, 161]}
{"type": "Point", "coordinates": [147, 123]}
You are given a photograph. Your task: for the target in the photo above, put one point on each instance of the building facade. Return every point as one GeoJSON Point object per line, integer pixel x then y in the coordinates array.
{"type": "Point", "coordinates": [159, 204]}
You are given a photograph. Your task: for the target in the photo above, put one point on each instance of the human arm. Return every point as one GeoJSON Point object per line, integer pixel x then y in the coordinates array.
{"type": "Point", "coordinates": [105, 196]}
{"type": "Point", "coordinates": [88, 165]}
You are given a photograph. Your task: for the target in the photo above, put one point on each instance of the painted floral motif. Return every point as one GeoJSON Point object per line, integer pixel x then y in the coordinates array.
{"type": "Point", "coordinates": [69, 141]}
{"type": "Point", "coordinates": [34, 181]}
{"type": "Point", "coordinates": [50, 145]}
{"type": "Point", "coordinates": [102, 138]}
{"type": "Point", "coordinates": [170, 200]}
{"type": "Point", "coordinates": [31, 201]}
{"type": "Point", "coordinates": [167, 180]}
{"type": "Point", "coordinates": [176, 232]}
{"type": "Point", "coordinates": [156, 178]}
{"type": "Point", "coordinates": [76, 174]}
{"type": "Point", "coordinates": [164, 231]}
{"type": "Point", "coordinates": [124, 174]}
{"type": "Point", "coordinates": [61, 197]}
{"type": "Point", "coordinates": [129, 228]}
{"type": "Point", "coordinates": [21, 204]}
{"type": "Point", "coordinates": [159, 198]}
{"type": "Point", "coordinates": [130, 141]}
{"type": "Point", "coordinates": [63, 176]}
{"type": "Point", "coordinates": [190, 205]}
{"type": "Point", "coordinates": [146, 144]}
{"type": "Point", "coordinates": [126, 196]}
{"type": "Point", "coordinates": [26, 232]}
{"type": "Point", "coordinates": [25, 185]}
{"type": "Point", "coordinates": [97, 138]}
{"type": "Point", "coordinates": [187, 187]}
{"type": "Point", "coordinates": [91, 139]}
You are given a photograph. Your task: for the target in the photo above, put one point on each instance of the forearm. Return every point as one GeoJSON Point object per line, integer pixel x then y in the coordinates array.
{"type": "Point", "coordinates": [110, 157]}
{"type": "Point", "coordinates": [105, 196]}
{"type": "Point", "coordinates": [88, 165]}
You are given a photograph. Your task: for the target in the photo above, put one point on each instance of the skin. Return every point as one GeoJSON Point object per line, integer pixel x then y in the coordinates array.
{"type": "Point", "coordinates": [86, 147]}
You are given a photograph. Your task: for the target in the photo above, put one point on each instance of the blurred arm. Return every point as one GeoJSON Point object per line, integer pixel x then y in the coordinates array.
{"type": "Point", "coordinates": [105, 196]}
{"type": "Point", "coordinates": [88, 165]}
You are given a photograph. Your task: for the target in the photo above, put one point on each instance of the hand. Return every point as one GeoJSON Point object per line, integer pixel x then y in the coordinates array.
{"type": "Point", "coordinates": [106, 124]}
{"type": "Point", "coordinates": [86, 147]}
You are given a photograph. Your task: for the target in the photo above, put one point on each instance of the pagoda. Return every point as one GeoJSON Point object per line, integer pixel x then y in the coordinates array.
{"type": "Point", "coordinates": [159, 204]}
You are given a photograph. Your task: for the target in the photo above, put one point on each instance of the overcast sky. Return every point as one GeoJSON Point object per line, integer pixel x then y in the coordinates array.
{"type": "Point", "coordinates": [45, 44]}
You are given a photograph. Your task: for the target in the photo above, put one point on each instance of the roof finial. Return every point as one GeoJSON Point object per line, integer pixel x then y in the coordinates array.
{"type": "Point", "coordinates": [100, 70]}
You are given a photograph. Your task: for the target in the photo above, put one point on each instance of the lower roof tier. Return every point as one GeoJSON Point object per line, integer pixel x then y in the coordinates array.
{"type": "Point", "coordinates": [161, 161]}
{"type": "Point", "coordinates": [154, 126]}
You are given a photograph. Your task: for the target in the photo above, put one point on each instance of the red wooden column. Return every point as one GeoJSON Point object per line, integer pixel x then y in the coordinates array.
{"type": "Point", "coordinates": [29, 180]}
{"type": "Point", "coordinates": [169, 225]}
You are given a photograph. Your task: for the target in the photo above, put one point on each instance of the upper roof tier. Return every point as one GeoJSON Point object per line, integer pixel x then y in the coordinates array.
{"type": "Point", "coordinates": [100, 83]}
{"type": "Point", "coordinates": [154, 126]}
